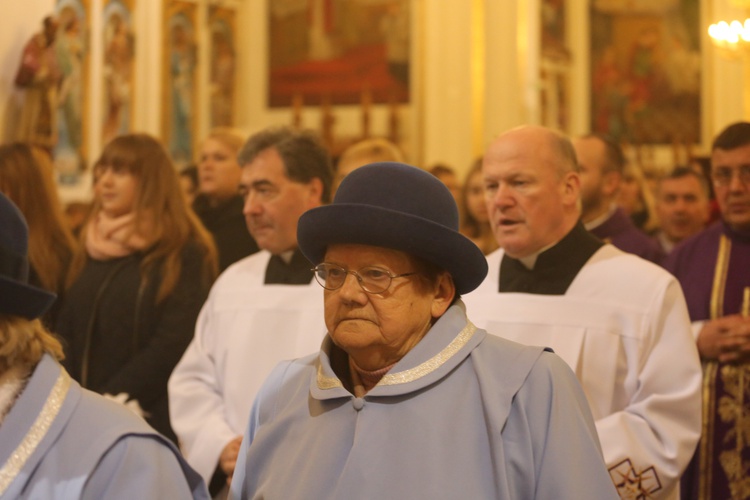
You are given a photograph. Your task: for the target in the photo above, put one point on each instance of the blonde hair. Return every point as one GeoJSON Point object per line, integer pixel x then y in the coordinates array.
{"type": "Point", "coordinates": [633, 172]}
{"type": "Point", "coordinates": [375, 149]}
{"type": "Point", "coordinates": [23, 342]}
{"type": "Point", "coordinates": [161, 213]}
{"type": "Point", "coordinates": [26, 177]}
{"type": "Point", "coordinates": [230, 137]}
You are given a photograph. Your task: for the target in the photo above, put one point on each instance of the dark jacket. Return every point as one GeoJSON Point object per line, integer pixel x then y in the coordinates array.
{"type": "Point", "coordinates": [118, 340]}
{"type": "Point", "coordinates": [227, 225]}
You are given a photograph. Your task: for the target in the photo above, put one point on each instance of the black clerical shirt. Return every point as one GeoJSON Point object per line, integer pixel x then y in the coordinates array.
{"type": "Point", "coordinates": [555, 268]}
{"type": "Point", "coordinates": [297, 272]}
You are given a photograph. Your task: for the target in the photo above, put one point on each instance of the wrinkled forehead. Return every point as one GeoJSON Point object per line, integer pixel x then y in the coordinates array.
{"type": "Point", "coordinates": [738, 156]}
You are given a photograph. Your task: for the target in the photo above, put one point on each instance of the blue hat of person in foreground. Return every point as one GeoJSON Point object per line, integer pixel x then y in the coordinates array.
{"type": "Point", "coordinates": [396, 206]}
{"type": "Point", "coordinates": [17, 297]}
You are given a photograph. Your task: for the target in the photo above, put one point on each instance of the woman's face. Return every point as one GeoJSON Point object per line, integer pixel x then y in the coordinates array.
{"type": "Point", "coordinates": [379, 329]}
{"type": "Point", "coordinates": [475, 200]}
{"type": "Point", "coordinates": [116, 188]}
{"type": "Point", "coordinates": [218, 170]}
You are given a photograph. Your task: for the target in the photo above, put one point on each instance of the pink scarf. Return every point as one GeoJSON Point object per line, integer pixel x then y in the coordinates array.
{"type": "Point", "coordinates": [109, 238]}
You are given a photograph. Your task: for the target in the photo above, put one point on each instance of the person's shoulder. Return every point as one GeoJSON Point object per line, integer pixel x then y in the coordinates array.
{"type": "Point", "coordinates": [508, 356]}
{"type": "Point", "coordinates": [623, 263]}
{"type": "Point", "coordinates": [710, 234]}
{"type": "Point", "coordinates": [288, 377]}
{"type": "Point", "coordinates": [249, 271]}
{"type": "Point", "coordinates": [682, 257]}
{"type": "Point", "coordinates": [103, 416]}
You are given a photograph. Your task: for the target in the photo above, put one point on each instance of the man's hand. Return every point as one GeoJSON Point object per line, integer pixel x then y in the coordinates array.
{"type": "Point", "coordinates": [726, 339]}
{"type": "Point", "coordinates": [228, 457]}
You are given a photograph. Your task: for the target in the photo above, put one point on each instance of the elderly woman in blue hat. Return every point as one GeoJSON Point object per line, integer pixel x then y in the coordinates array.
{"type": "Point", "coordinates": [407, 399]}
{"type": "Point", "coordinates": [58, 440]}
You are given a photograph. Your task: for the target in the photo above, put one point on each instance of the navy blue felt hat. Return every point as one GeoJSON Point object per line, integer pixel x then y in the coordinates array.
{"type": "Point", "coordinates": [397, 206]}
{"type": "Point", "coordinates": [17, 297]}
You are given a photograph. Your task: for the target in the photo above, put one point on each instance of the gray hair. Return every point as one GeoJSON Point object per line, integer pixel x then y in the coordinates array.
{"type": "Point", "coordinates": [304, 156]}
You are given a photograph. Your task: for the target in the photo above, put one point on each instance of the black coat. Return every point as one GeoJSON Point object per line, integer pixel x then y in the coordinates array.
{"type": "Point", "coordinates": [227, 225]}
{"type": "Point", "coordinates": [117, 340]}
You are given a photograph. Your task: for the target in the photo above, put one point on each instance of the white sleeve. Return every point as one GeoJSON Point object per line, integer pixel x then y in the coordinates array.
{"type": "Point", "coordinates": [196, 401]}
{"type": "Point", "coordinates": [697, 326]}
{"type": "Point", "coordinates": [656, 433]}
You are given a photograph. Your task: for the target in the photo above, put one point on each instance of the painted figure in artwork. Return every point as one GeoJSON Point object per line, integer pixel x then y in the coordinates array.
{"type": "Point", "coordinates": [70, 51]}
{"type": "Point", "coordinates": [118, 66]}
{"type": "Point", "coordinates": [181, 66]}
{"type": "Point", "coordinates": [39, 76]}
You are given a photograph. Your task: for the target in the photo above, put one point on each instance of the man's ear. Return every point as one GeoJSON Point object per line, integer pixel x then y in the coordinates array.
{"type": "Point", "coordinates": [315, 191]}
{"type": "Point", "coordinates": [571, 188]}
{"type": "Point", "coordinates": [445, 291]}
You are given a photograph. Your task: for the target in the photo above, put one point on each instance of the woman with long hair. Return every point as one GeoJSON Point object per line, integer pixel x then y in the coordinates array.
{"type": "Point", "coordinates": [139, 281]}
{"type": "Point", "coordinates": [26, 177]}
{"type": "Point", "coordinates": [475, 220]}
{"type": "Point", "coordinates": [218, 203]}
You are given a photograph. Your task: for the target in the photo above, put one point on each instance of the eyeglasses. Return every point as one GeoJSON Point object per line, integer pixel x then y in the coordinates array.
{"type": "Point", "coordinates": [723, 175]}
{"type": "Point", "coordinates": [371, 279]}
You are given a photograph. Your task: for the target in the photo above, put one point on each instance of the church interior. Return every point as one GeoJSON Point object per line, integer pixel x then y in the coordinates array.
{"type": "Point", "coordinates": [470, 69]}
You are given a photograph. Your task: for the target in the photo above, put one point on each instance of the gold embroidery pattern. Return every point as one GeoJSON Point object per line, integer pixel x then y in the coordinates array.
{"type": "Point", "coordinates": [720, 277]}
{"type": "Point", "coordinates": [634, 485]}
{"type": "Point", "coordinates": [730, 406]}
{"type": "Point", "coordinates": [326, 383]}
{"type": "Point", "coordinates": [36, 433]}
{"type": "Point", "coordinates": [732, 411]}
{"type": "Point", "coordinates": [433, 363]}
{"type": "Point", "coordinates": [415, 373]}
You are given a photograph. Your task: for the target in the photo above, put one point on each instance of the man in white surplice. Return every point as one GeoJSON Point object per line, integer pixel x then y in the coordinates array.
{"type": "Point", "coordinates": [619, 321]}
{"type": "Point", "coordinates": [259, 310]}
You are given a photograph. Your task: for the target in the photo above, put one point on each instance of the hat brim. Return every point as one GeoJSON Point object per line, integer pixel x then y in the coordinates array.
{"type": "Point", "coordinates": [370, 225]}
{"type": "Point", "coordinates": [20, 299]}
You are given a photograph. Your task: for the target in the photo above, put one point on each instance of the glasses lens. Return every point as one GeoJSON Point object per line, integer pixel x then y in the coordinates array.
{"type": "Point", "coordinates": [724, 176]}
{"type": "Point", "coordinates": [374, 279]}
{"type": "Point", "coordinates": [330, 276]}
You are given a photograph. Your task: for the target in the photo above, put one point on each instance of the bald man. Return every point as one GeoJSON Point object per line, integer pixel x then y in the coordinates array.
{"type": "Point", "coordinates": [619, 321]}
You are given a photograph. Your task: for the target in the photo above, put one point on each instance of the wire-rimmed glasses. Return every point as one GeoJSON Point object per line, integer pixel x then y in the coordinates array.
{"type": "Point", "coordinates": [371, 279]}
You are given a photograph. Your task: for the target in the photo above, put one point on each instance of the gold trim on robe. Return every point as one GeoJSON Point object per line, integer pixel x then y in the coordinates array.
{"type": "Point", "coordinates": [412, 374]}
{"type": "Point", "coordinates": [37, 432]}
{"type": "Point", "coordinates": [729, 406]}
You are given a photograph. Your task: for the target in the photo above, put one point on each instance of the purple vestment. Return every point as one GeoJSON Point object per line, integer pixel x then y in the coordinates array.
{"type": "Point", "coordinates": [713, 268]}
{"type": "Point", "coordinates": [622, 233]}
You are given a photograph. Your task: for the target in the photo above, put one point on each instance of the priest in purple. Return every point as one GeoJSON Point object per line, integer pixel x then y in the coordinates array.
{"type": "Point", "coordinates": [601, 163]}
{"type": "Point", "coordinates": [713, 268]}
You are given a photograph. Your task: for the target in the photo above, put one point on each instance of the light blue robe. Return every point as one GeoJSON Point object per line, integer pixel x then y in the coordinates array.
{"type": "Point", "coordinates": [462, 415]}
{"type": "Point", "coordinates": [60, 441]}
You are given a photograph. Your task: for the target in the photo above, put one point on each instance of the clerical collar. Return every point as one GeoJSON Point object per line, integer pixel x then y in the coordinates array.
{"type": "Point", "coordinates": [555, 268]}
{"type": "Point", "coordinates": [601, 219]}
{"type": "Point", "coordinates": [666, 244]}
{"type": "Point", "coordinates": [287, 256]}
{"type": "Point", "coordinates": [288, 268]}
{"type": "Point", "coordinates": [530, 260]}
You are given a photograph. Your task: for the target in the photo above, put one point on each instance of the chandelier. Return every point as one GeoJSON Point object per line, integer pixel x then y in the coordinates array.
{"type": "Point", "coordinates": [733, 37]}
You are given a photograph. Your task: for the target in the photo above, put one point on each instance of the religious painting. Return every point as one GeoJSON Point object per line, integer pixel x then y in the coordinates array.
{"type": "Point", "coordinates": [118, 68]}
{"type": "Point", "coordinates": [338, 50]}
{"type": "Point", "coordinates": [71, 53]}
{"type": "Point", "coordinates": [646, 70]}
{"type": "Point", "coordinates": [555, 66]}
{"type": "Point", "coordinates": [223, 66]}
{"type": "Point", "coordinates": [179, 81]}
